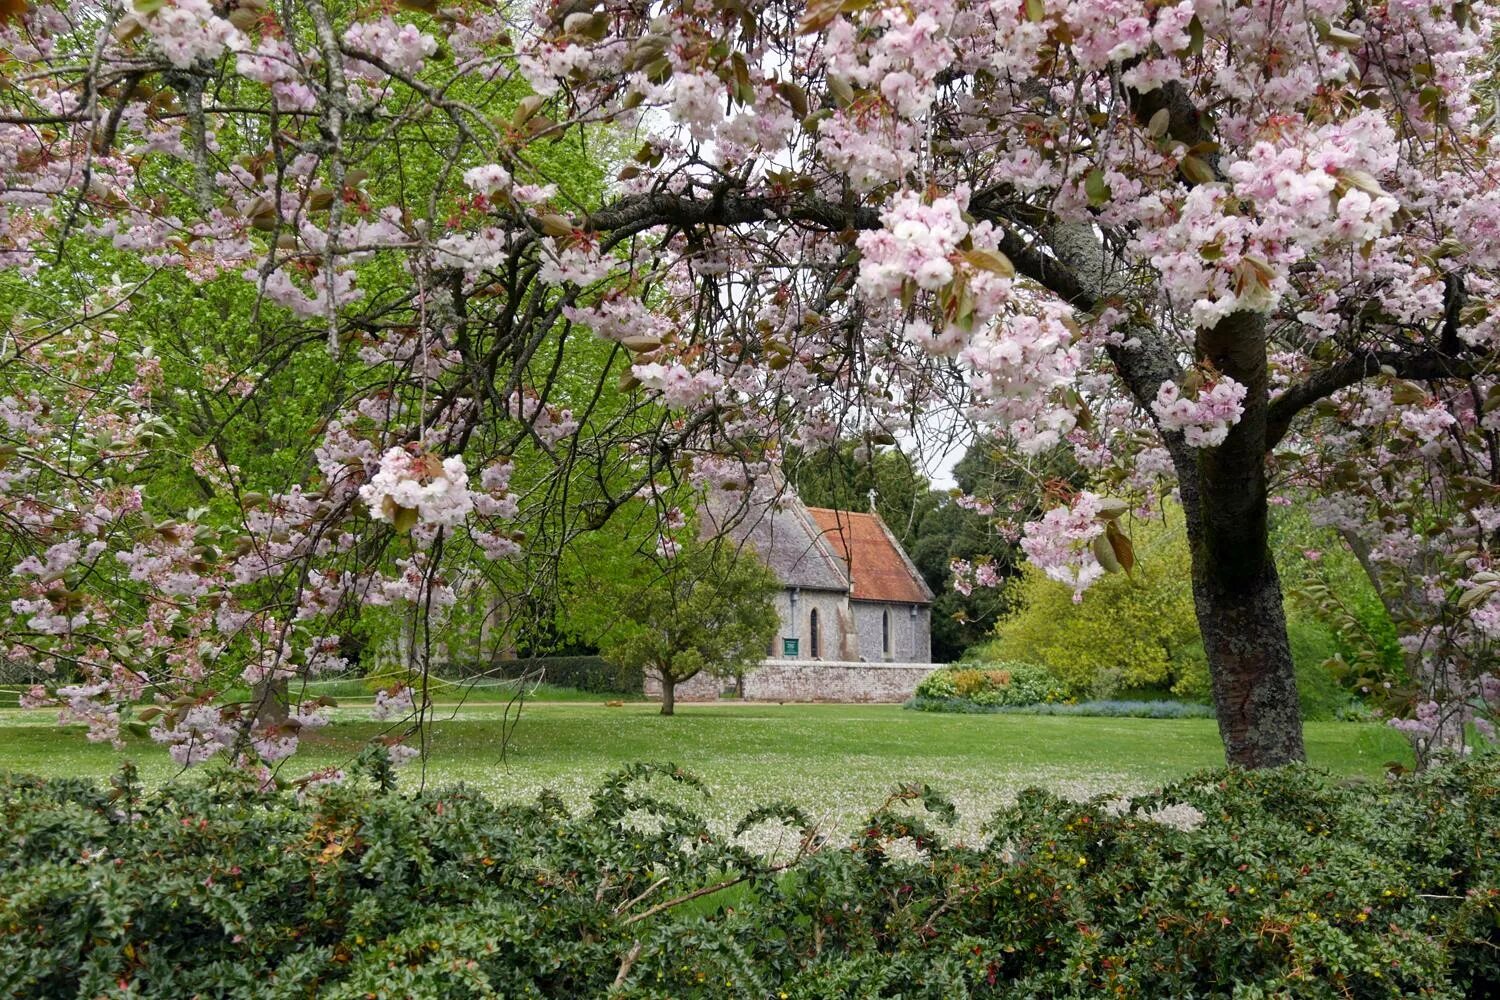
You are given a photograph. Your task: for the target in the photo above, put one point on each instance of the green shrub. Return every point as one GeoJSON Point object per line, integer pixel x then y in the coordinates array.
{"type": "Point", "coordinates": [1139, 632]}
{"type": "Point", "coordinates": [1128, 632]}
{"type": "Point", "coordinates": [990, 684]}
{"type": "Point", "coordinates": [938, 684]}
{"type": "Point", "coordinates": [1289, 886]}
{"type": "Point", "coordinates": [1313, 646]}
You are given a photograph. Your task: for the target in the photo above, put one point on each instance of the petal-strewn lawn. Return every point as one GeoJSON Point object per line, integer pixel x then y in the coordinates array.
{"type": "Point", "coordinates": [837, 761]}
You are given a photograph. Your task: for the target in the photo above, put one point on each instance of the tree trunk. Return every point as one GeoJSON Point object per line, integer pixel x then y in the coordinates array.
{"type": "Point", "coordinates": [1236, 590]}
{"type": "Point", "coordinates": [668, 693]}
{"type": "Point", "coordinates": [1250, 664]}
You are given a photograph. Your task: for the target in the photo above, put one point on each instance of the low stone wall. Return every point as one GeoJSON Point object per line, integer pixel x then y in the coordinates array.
{"type": "Point", "coordinates": [810, 680]}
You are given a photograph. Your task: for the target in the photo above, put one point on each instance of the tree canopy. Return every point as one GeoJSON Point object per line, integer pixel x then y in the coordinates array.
{"type": "Point", "coordinates": [703, 607]}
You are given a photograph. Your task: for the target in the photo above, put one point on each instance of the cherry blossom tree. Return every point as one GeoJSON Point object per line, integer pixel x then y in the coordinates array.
{"type": "Point", "coordinates": [1160, 234]}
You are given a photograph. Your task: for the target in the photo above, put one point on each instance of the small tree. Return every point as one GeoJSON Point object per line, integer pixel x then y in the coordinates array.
{"type": "Point", "coordinates": [707, 607]}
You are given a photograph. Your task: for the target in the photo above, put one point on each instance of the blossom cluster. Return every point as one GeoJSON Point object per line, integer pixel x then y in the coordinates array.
{"type": "Point", "coordinates": [393, 703]}
{"type": "Point", "coordinates": [679, 387]}
{"type": "Point", "coordinates": [915, 243]}
{"type": "Point", "coordinates": [402, 47]}
{"type": "Point", "coordinates": [1060, 544]}
{"type": "Point", "coordinates": [416, 487]}
{"type": "Point", "coordinates": [1204, 420]}
{"type": "Point", "coordinates": [967, 575]}
{"type": "Point", "coordinates": [185, 31]}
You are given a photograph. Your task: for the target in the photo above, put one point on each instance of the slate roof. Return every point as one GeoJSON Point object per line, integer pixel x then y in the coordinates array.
{"type": "Point", "coordinates": [785, 537]}
{"type": "Point", "coordinates": [879, 569]}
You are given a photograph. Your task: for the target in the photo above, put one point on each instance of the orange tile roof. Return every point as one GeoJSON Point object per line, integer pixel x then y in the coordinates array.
{"type": "Point", "coordinates": [879, 570]}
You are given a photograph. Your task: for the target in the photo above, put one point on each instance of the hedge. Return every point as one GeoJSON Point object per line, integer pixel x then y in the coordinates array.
{"type": "Point", "coordinates": [1289, 885]}
{"type": "Point", "coordinates": [586, 673]}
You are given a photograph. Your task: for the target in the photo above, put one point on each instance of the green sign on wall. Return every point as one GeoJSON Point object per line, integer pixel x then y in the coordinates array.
{"type": "Point", "coordinates": [788, 647]}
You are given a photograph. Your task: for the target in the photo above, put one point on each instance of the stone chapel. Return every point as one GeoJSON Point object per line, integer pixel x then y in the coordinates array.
{"type": "Point", "coordinates": [849, 592]}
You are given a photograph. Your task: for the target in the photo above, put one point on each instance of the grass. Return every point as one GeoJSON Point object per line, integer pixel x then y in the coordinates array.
{"type": "Point", "coordinates": [836, 761]}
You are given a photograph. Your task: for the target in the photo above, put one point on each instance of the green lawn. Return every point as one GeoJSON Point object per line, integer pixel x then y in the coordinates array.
{"type": "Point", "coordinates": [837, 761]}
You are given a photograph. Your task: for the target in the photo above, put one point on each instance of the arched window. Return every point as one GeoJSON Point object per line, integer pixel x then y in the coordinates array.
{"type": "Point", "coordinates": [885, 632]}
{"type": "Point", "coordinates": [814, 643]}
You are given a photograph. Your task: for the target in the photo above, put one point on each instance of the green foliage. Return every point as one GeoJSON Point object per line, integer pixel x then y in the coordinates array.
{"type": "Point", "coordinates": [1140, 631]}
{"type": "Point", "coordinates": [1323, 578]}
{"type": "Point", "coordinates": [1313, 646]}
{"type": "Point", "coordinates": [710, 607]}
{"type": "Point", "coordinates": [1128, 632]}
{"type": "Point", "coordinates": [1290, 886]}
{"type": "Point", "coordinates": [992, 684]}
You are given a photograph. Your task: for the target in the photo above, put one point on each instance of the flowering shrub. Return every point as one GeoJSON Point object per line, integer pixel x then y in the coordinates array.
{"type": "Point", "coordinates": [1275, 883]}
{"type": "Point", "coordinates": [992, 684]}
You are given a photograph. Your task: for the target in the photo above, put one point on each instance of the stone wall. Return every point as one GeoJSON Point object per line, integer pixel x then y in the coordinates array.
{"type": "Point", "coordinates": [811, 680]}
{"type": "Point", "coordinates": [911, 634]}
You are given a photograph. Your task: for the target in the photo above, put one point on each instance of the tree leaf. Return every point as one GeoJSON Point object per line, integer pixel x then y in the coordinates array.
{"type": "Point", "coordinates": [795, 97]}
{"type": "Point", "coordinates": [993, 261]}
{"type": "Point", "coordinates": [1096, 187]}
{"type": "Point", "coordinates": [1119, 542]}
{"type": "Point", "coordinates": [404, 520]}
{"type": "Point", "coordinates": [529, 106]}
{"type": "Point", "coordinates": [1105, 553]}
{"type": "Point", "coordinates": [556, 225]}
{"type": "Point", "coordinates": [1111, 508]}
{"type": "Point", "coordinates": [1195, 36]}
{"type": "Point", "coordinates": [819, 15]}
{"type": "Point", "coordinates": [1196, 170]}
{"type": "Point", "coordinates": [840, 89]}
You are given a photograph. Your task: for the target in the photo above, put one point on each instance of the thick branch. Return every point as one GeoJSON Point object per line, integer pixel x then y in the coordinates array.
{"type": "Point", "coordinates": [1420, 365]}
{"type": "Point", "coordinates": [726, 208]}
{"type": "Point", "coordinates": [1082, 256]}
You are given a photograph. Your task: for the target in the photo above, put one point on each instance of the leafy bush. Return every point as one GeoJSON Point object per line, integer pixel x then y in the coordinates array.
{"type": "Point", "coordinates": [991, 684]}
{"type": "Point", "coordinates": [1313, 647]}
{"type": "Point", "coordinates": [1324, 579]}
{"type": "Point", "coordinates": [1272, 884]}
